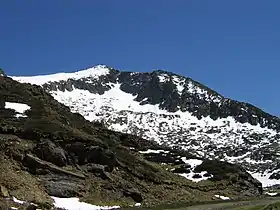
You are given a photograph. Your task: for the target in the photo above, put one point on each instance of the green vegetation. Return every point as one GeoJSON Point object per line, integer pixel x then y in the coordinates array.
{"type": "Point", "coordinates": [273, 206]}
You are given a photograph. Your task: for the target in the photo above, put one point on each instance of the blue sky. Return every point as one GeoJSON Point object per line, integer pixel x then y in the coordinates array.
{"type": "Point", "coordinates": [231, 46]}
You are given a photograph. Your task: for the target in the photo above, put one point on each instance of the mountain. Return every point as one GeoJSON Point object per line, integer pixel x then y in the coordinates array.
{"type": "Point", "coordinates": [174, 111]}
{"type": "Point", "coordinates": [50, 156]}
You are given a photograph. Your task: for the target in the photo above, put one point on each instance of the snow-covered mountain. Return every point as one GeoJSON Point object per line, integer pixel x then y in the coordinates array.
{"type": "Point", "coordinates": [175, 111]}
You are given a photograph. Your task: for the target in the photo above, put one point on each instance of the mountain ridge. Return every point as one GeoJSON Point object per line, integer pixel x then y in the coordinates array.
{"type": "Point", "coordinates": [178, 112]}
{"type": "Point", "coordinates": [45, 150]}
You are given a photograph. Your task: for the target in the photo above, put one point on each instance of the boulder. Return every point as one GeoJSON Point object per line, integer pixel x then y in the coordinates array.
{"type": "Point", "coordinates": [96, 168]}
{"type": "Point", "coordinates": [98, 155]}
{"type": "Point", "coordinates": [4, 192]}
{"type": "Point", "coordinates": [31, 207]}
{"type": "Point", "coordinates": [62, 186]}
{"type": "Point", "coordinates": [237, 176]}
{"type": "Point", "coordinates": [182, 169]}
{"type": "Point", "coordinates": [135, 194]}
{"type": "Point", "coordinates": [48, 151]}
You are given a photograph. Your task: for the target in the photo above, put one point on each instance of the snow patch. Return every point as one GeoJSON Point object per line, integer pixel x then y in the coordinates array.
{"type": "Point", "coordinates": [136, 205]}
{"type": "Point", "coordinates": [94, 72]}
{"type": "Point", "coordinates": [75, 204]}
{"type": "Point", "coordinates": [192, 162]}
{"type": "Point", "coordinates": [163, 78]}
{"type": "Point", "coordinates": [202, 93]}
{"type": "Point", "coordinates": [153, 151]}
{"type": "Point", "coordinates": [180, 83]}
{"type": "Point", "coordinates": [222, 197]}
{"type": "Point", "coordinates": [18, 201]}
{"type": "Point", "coordinates": [18, 107]}
{"type": "Point", "coordinates": [264, 179]}
{"type": "Point", "coordinates": [271, 193]}
{"type": "Point", "coordinates": [190, 176]}
{"type": "Point", "coordinates": [195, 177]}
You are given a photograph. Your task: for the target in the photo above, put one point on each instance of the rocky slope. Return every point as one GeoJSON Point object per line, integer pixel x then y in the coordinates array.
{"type": "Point", "coordinates": [46, 150]}
{"type": "Point", "coordinates": [174, 111]}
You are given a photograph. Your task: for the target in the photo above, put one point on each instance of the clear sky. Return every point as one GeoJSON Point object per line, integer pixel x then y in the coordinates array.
{"type": "Point", "coordinates": [231, 46]}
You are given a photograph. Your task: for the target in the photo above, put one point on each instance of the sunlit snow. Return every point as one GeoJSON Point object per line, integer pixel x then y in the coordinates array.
{"type": "Point", "coordinates": [192, 162]}
{"type": "Point", "coordinates": [271, 193]}
{"type": "Point", "coordinates": [94, 72]}
{"type": "Point", "coordinates": [75, 204]}
{"type": "Point", "coordinates": [222, 197]}
{"type": "Point", "coordinates": [264, 179]}
{"type": "Point", "coordinates": [190, 176]}
{"type": "Point", "coordinates": [18, 201]}
{"type": "Point", "coordinates": [153, 151]}
{"type": "Point", "coordinates": [18, 107]}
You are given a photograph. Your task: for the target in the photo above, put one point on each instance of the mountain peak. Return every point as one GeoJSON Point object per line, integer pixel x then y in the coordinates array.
{"type": "Point", "coordinates": [93, 72]}
{"type": "Point", "coordinates": [173, 110]}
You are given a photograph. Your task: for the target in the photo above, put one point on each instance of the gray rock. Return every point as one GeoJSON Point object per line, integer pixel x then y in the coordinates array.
{"type": "Point", "coordinates": [4, 192]}
{"type": "Point", "coordinates": [135, 194]}
{"type": "Point", "coordinates": [63, 186]}
{"type": "Point", "coordinates": [48, 151]}
{"type": "Point", "coordinates": [95, 168]}
{"type": "Point", "coordinates": [101, 156]}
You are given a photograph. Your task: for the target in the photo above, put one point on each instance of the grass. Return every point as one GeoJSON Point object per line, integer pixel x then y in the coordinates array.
{"type": "Point", "coordinates": [20, 183]}
{"type": "Point", "coordinates": [273, 206]}
{"type": "Point", "coordinates": [258, 207]}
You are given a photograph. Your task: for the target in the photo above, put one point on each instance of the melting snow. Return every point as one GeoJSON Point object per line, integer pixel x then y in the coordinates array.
{"type": "Point", "coordinates": [192, 162]}
{"type": "Point", "coordinates": [136, 205]}
{"type": "Point", "coordinates": [163, 78]}
{"type": "Point", "coordinates": [180, 83]}
{"type": "Point", "coordinates": [18, 107]}
{"type": "Point", "coordinates": [111, 100]}
{"type": "Point", "coordinates": [94, 72]}
{"type": "Point", "coordinates": [18, 201]}
{"type": "Point", "coordinates": [264, 179]}
{"type": "Point", "coordinates": [75, 204]}
{"type": "Point", "coordinates": [194, 89]}
{"type": "Point", "coordinates": [153, 151]}
{"type": "Point", "coordinates": [222, 197]}
{"type": "Point", "coordinates": [190, 175]}
{"type": "Point", "coordinates": [271, 194]}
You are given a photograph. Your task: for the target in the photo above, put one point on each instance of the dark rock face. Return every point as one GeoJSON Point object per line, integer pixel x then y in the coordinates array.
{"type": "Point", "coordinates": [60, 186]}
{"type": "Point", "coordinates": [31, 207]}
{"type": "Point", "coordinates": [236, 174]}
{"type": "Point", "coordinates": [163, 158]}
{"type": "Point", "coordinates": [48, 151]}
{"type": "Point", "coordinates": [134, 194]}
{"type": "Point", "coordinates": [196, 98]}
{"type": "Point", "coordinates": [4, 192]}
{"type": "Point", "coordinates": [85, 154]}
{"type": "Point", "coordinates": [96, 168]}
{"type": "Point", "coordinates": [101, 156]}
{"type": "Point", "coordinates": [182, 169]}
